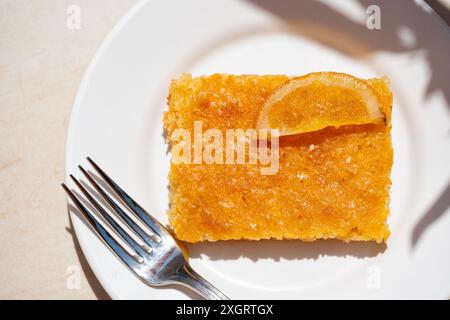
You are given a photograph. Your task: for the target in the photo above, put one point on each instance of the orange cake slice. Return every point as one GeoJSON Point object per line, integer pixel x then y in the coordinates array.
{"type": "Point", "coordinates": [332, 182]}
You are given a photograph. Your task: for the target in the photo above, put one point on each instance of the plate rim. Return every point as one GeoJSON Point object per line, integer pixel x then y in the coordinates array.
{"type": "Point", "coordinates": [73, 122]}
{"type": "Point", "coordinates": [106, 42]}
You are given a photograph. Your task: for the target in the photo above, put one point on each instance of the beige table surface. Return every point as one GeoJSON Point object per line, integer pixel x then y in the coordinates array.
{"type": "Point", "coordinates": [41, 65]}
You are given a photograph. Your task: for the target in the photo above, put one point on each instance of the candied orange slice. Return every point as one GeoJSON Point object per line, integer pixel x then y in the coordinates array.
{"type": "Point", "coordinates": [318, 100]}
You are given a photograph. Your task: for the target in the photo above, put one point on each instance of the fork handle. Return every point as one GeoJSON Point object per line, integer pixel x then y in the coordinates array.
{"type": "Point", "coordinates": [188, 277]}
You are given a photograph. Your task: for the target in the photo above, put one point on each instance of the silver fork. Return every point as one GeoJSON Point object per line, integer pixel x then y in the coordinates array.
{"type": "Point", "coordinates": [158, 259]}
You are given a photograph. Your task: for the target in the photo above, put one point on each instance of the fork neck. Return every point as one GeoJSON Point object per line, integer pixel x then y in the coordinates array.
{"type": "Point", "coordinates": [187, 276]}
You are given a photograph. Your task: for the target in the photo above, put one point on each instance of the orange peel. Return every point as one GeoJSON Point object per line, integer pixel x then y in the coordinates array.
{"type": "Point", "coordinates": [319, 100]}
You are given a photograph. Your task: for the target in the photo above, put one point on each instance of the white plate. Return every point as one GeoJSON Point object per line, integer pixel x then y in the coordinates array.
{"type": "Point", "coordinates": [117, 121]}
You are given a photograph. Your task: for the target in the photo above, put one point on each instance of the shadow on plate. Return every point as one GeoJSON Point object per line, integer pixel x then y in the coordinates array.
{"type": "Point", "coordinates": [287, 249]}
{"type": "Point", "coordinates": [439, 207]}
{"type": "Point", "coordinates": [403, 30]}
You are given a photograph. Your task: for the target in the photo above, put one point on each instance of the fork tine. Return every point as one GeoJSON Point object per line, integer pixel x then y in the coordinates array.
{"type": "Point", "coordinates": [148, 239]}
{"type": "Point", "coordinates": [129, 260]}
{"type": "Point", "coordinates": [143, 215]}
{"type": "Point", "coordinates": [113, 224]}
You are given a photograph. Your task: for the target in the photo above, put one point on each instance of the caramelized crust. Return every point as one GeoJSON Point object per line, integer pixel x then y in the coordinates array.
{"type": "Point", "coordinates": [331, 183]}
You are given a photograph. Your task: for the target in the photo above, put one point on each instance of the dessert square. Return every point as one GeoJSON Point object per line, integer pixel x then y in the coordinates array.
{"type": "Point", "coordinates": [331, 183]}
